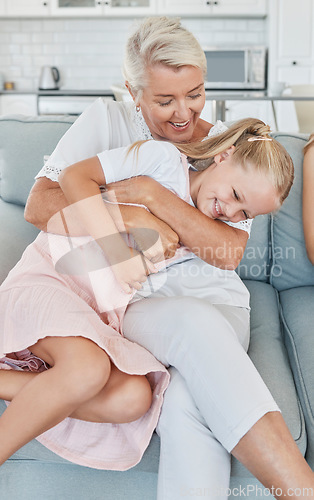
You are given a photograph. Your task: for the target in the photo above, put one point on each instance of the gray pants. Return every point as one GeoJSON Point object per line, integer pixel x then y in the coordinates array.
{"type": "Point", "coordinates": [215, 395]}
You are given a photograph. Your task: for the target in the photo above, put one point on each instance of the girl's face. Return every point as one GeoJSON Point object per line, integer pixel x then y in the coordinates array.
{"type": "Point", "coordinates": [227, 191]}
{"type": "Point", "coordinates": [172, 102]}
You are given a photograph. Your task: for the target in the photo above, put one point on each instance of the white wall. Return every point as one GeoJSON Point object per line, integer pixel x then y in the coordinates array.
{"type": "Point", "coordinates": [89, 52]}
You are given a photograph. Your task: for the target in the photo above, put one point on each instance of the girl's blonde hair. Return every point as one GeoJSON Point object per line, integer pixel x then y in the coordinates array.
{"type": "Point", "coordinates": [159, 40]}
{"type": "Point", "coordinates": [254, 148]}
{"type": "Point", "coordinates": [309, 143]}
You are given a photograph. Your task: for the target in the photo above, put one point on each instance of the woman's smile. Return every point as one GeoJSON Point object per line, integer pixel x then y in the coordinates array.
{"type": "Point", "coordinates": [180, 126]}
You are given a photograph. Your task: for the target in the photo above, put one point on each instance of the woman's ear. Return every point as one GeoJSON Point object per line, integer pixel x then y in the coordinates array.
{"type": "Point", "coordinates": [128, 86]}
{"type": "Point", "coordinates": [225, 155]}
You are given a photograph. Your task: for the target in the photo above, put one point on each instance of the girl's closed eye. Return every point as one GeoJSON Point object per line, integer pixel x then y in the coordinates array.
{"type": "Point", "coordinates": [195, 96]}
{"type": "Point", "coordinates": [237, 197]}
{"type": "Point", "coordinates": [235, 194]}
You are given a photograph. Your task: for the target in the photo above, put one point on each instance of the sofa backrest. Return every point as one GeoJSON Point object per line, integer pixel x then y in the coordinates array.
{"type": "Point", "coordinates": [290, 266]}
{"type": "Point", "coordinates": [23, 143]}
{"type": "Point", "coordinates": [275, 252]}
{"type": "Point", "coordinates": [256, 262]}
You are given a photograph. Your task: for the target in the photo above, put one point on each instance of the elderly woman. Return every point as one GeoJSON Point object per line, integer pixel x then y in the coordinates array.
{"type": "Point", "coordinates": [216, 402]}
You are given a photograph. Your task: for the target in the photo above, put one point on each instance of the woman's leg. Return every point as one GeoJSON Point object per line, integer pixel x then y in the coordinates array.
{"type": "Point", "coordinates": [123, 399]}
{"type": "Point", "coordinates": [192, 462]}
{"type": "Point", "coordinates": [201, 341]}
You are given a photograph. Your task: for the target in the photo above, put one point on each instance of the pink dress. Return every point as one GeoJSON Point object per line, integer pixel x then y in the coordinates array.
{"type": "Point", "coordinates": [63, 286]}
{"type": "Point", "coordinates": [37, 301]}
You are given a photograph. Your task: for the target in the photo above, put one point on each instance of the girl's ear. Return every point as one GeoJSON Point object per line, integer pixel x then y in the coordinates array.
{"type": "Point", "coordinates": [220, 157]}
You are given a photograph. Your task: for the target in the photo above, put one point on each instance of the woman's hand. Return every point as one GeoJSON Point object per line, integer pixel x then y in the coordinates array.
{"type": "Point", "coordinates": [134, 190]}
{"type": "Point", "coordinates": [153, 237]}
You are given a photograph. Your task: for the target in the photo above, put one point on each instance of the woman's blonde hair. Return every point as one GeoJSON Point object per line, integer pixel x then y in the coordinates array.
{"type": "Point", "coordinates": [254, 148]}
{"type": "Point", "coordinates": [159, 40]}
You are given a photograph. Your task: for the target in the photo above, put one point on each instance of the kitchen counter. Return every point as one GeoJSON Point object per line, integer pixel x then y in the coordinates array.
{"type": "Point", "coordinates": [219, 99]}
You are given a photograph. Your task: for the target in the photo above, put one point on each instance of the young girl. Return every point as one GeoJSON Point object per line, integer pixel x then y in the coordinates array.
{"type": "Point", "coordinates": [308, 187]}
{"type": "Point", "coordinates": [63, 303]}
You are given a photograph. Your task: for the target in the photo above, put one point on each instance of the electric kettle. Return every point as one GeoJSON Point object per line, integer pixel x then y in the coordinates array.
{"type": "Point", "coordinates": [49, 78]}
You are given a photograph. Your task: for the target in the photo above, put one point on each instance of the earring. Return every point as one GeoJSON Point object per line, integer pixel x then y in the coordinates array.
{"type": "Point", "coordinates": [138, 109]}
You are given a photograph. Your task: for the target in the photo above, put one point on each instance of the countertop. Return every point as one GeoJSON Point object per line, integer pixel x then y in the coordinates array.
{"type": "Point", "coordinates": [217, 95]}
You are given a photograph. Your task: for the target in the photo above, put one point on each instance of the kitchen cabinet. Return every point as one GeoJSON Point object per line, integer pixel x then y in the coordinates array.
{"type": "Point", "coordinates": [77, 8]}
{"type": "Point", "coordinates": [21, 104]}
{"type": "Point", "coordinates": [2, 7]}
{"type": "Point", "coordinates": [31, 8]}
{"type": "Point", "coordinates": [291, 57]}
{"type": "Point", "coordinates": [133, 8]}
{"type": "Point", "coordinates": [291, 51]}
{"type": "Point", "coordinates": [243, 8]}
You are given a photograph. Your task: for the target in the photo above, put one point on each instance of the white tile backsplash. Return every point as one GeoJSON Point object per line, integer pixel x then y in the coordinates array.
{"type": "Point", "coordinates": [89, 52]}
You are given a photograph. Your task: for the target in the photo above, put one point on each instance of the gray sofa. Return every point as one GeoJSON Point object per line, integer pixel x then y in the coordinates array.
{"type": "Point", "coordinates": [281, 282]}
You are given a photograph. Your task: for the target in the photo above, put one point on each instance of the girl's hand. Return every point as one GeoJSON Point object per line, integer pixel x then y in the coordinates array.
{"type": "Point", "coordinates": [132, 273]}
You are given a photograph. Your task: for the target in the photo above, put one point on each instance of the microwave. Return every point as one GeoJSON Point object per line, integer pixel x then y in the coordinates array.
{"type": "Point", "coordinates": [236, 68]}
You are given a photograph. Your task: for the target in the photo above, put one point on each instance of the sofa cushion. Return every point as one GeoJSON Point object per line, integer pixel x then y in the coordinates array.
{"type": "Point", "coordinates": [15, 235]}
{"type": "Point", "coordinates": [298, 318]}
{"type": "Point", "coordinates": [290, 267]}
{"type": "Point", "coordinates": [255, 264]}
{"type": "Point", "coordinates": [19, 165]}
{"type": "Point", "coordinates": [39, 473]}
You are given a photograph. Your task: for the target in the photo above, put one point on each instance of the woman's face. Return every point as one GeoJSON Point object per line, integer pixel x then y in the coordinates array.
{"type": "Point", "coordinates": [172, 101]}
{"type": "Point", "coordinates": [228, 191]}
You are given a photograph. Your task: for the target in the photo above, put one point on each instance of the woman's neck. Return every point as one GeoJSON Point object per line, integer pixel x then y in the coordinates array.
{"type": "Point", "coordinates": [201, 130]}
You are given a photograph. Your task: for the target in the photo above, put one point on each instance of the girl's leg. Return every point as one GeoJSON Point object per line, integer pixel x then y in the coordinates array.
{"type": "Point", "coordinates": [123, 399]}
{"type": "Point", "coordinates": [79, 370]}
{"type": "Point", "coordinates": [192, 462]}
{"type": "Point", "coordinates": [201, 341]}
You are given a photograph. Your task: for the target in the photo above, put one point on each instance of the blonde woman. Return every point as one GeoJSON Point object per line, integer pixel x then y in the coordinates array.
{"type": "Point", "coordinates": [308, 188]}
{"type": "Point", "coordinates": [164, 70]}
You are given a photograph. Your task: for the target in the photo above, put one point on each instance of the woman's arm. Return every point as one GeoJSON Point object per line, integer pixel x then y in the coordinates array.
{"type": "Point", "coordinates": [308, 199]}
{"type": "Point", "coordinates": [48, 195]}
{"type": "Point", "coordinates": [213, 241]}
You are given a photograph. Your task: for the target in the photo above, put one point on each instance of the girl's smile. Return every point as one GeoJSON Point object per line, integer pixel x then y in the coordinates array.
{"type": "Point", "coordinates": [231, 192]}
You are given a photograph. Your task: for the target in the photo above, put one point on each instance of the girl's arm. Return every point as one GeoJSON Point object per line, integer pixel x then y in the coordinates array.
{"type": "Point", "coordinates": [308, 199]}
{"type": "Point", "coordinates": [48, 195]}
{"type": "Point", "coordinates": [212, 240]}
{"type": "Point", "coordinates": [80, 184]}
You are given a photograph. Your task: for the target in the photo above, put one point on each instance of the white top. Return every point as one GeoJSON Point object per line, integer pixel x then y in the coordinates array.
{"type": "Point", "coordinates": [160, 160]}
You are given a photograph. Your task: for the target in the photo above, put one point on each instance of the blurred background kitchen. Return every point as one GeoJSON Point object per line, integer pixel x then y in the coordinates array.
{"type": "Point", "coordinates": [84, 40]}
